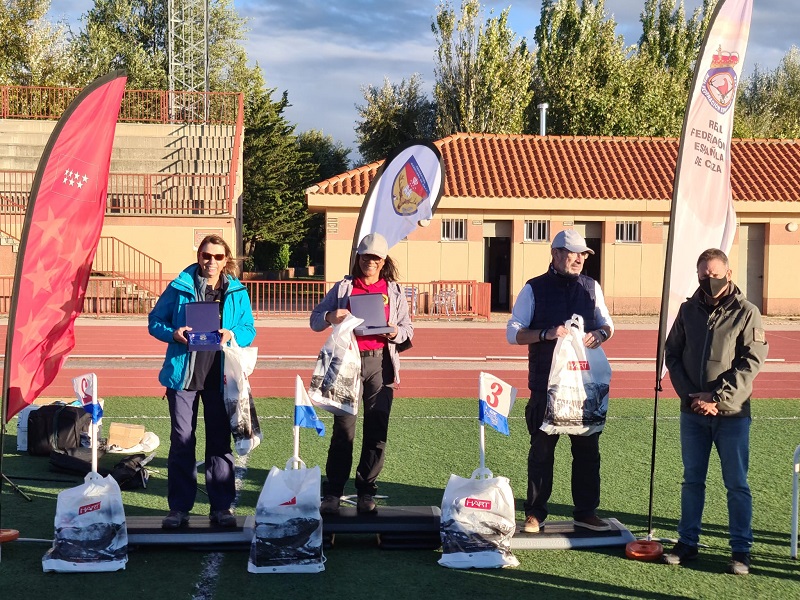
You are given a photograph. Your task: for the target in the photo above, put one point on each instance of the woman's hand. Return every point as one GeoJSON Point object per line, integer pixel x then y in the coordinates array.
{"type": "Point", "coordinates": [226, 334]}
{"type": "Point", "coordinates": [393, 334]}
{"type": "Point", "coordinates": [179, 335]}
{"type": "Point", "coordinates": [334, 317]}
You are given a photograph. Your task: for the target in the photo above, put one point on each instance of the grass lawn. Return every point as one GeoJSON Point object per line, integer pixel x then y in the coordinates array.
{"type": "Point", "coordinates": [428, 440]}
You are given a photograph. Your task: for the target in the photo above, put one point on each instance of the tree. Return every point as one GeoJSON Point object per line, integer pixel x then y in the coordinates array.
{"type": "Point", "coordinates": [328, 158]}
{"type": "Point", "coordinates": [275, 171]}
{"type": "Point", "coordinates": [32, 50]}
{"type": "Point", "coordinates": [598, 86]}
{"type": "Point", "coordinates": [581, 69]}
{"type": "Point", "coordinates": [664, 65]}
{"type": "Point", "coordinates": [392, 115]}
{"type": "Point", "coordinates": [124, 34]}
{"type": "Point", "coordinates": [482, 73]}
{"type": "Point", "coordinates": [133, 35]}
{"type": "Point", "coordinates": [768, 103]}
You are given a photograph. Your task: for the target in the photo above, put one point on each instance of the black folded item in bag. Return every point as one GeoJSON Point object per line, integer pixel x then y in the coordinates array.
{"type": "Point", "coordinates": [75, 461]}
{"type": "Point", "coordinates": [130, 473]}
{"type": "Point", "coordinates": [56, 427]}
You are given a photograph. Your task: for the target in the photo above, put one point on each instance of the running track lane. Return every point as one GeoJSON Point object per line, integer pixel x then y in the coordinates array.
{"type": "Point", "coordinates": [438, 381]}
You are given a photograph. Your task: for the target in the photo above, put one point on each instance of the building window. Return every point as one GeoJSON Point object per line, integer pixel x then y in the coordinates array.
{"type": "Point", "coordinates": [537, 231]}
{"type": "Point", "coordinates": [454, 230]}
{"type": "Point", "coordinates": [629, 232]}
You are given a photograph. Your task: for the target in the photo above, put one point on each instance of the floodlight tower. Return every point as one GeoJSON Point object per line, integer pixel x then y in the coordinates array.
{"type": "Point", "coordinates": [187, 34]}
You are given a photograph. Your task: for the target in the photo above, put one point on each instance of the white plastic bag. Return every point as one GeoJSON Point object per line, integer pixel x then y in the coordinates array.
{"type": "Point", "coordinates": [90, 532]}
{"type": "Point", "coordinates": [477, 522]}
{"type": "Point", "coordinates": [239, 365]}
{"type": "Point", "coordinates": [288, 532]}
{"type": "Point", "coordinates": [577, 391]}
{"type": "Point", "coordinates": [336, 382]}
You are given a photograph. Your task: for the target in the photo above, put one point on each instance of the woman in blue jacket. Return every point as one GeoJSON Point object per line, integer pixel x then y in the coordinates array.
{"type": "Point", "coordinates": [191, 376]}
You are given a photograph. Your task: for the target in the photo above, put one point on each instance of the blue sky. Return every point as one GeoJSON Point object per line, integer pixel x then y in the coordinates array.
{"type": "Point", "coordinates": [324, 51]}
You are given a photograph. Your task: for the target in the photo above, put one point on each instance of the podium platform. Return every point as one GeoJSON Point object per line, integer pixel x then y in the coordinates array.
{"type": "Point", "coordinates": [564, 535]}
{"type": "Point", "coordinates": [147, 531]}
{"type": "Point", "coordinates": [396, 527]}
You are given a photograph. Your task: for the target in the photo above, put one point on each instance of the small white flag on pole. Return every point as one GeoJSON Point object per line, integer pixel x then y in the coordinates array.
{"type": "Point", "coordinates": [495, 402]}
{"type": "Point", "coordinates": [85, 388]}
{"type": "Point", "coordinates": [304, 413]}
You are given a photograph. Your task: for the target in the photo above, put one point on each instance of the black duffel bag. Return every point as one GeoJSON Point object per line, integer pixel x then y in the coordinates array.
{"type": "Point", "coordinates": [75, 461]}
{"type": "Point", "coordinates": [56, 427]}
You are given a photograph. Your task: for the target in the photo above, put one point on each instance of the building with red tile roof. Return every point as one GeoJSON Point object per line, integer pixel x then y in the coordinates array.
{"type": "Point", "coordinates": [505, 196]}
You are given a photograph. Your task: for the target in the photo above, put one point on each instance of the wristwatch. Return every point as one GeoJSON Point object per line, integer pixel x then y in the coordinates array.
{"type": "Point", "coordinates": [604, 333]}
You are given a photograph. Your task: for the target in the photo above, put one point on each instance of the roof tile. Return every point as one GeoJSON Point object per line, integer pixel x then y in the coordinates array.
{"type": "Point", "coordinates": [617, 168]}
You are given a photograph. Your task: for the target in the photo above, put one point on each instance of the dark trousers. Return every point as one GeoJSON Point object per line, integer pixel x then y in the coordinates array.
{"type": "Point", "coordinates": [181, 463]}
{"type": "Point", "coordinates": [585, 465]}
{"type": "Point", "coordinates": [376, 404]}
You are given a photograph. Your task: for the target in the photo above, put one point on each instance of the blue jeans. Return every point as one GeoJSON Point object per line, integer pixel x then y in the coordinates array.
{"type": "Point", "coordinates": [731, 436]}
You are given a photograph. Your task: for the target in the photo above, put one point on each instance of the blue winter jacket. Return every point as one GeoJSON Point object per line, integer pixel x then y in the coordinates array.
{"type": "Point", "coordinates": [169, 314]}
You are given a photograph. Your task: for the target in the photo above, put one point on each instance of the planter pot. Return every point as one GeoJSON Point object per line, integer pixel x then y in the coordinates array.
{"type": "Point", "coordinates": [310, 271]}
{"type": "Point", "coordinates": [286, 273]}
{"type": "Point", "coordinates": [254, 275]}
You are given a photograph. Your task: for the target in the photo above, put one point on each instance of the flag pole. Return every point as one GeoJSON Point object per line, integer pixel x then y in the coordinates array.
{"type": "Point", "coordinates": [482, 446]}
{"type": "Point", "coordinates": [296, 455]}
{"type": "Point", "coordinates": [95, 401]}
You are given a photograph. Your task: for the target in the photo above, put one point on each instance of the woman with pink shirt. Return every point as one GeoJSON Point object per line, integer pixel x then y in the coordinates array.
{"type": "Point", "coordinates": [373, 272]}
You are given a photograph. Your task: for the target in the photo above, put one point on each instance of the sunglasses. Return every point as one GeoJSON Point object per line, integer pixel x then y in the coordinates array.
{"type": "Point", "coordinates": [209, 256]}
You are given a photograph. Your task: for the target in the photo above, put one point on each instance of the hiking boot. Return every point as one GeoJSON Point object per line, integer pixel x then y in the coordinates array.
{"type": "Point", "coordinates": [740, 563]}
{"type": "Point", "coordinates": [366, 504]}
{"type": "Point", "coordinates": [175, 519]}
{"type": "Point", "coordinates": [532, 525]}
{"type": "Point", "coordinates": [593, 522]}
{"type": "Point", "coordinates": [223, 518]}
{"type": "Point", "coordinates": [329, 505]}
{"type": "Point", "coordinates": [680, 554]}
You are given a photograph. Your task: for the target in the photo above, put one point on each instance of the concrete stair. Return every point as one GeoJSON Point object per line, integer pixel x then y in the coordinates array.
{"type": "Point", "coordinates": [197, 149]}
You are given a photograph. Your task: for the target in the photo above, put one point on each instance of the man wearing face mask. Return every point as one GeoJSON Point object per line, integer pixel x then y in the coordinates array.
{"type": "Point", "coordinates": [537, 320]}
{"type": "Point", "coordinates": [714, 352]}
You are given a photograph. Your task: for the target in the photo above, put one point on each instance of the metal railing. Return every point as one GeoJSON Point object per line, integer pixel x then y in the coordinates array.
{"type": "Point", "coordinates": [138, 193]}
{"type": "Point", "coordinates": [110, 296]}
{"type": "Point", "coordinates": [117, 259]}
{"type": "Point", "coordinates": [138, 106]}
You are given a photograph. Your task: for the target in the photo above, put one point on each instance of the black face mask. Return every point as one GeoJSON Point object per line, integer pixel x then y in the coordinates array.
{"type": "Point", "coordinates": [711, 286]}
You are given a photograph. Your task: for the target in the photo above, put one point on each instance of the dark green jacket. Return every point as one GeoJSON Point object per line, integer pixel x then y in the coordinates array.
{"type": "Point", "coordinates": [719, 351]}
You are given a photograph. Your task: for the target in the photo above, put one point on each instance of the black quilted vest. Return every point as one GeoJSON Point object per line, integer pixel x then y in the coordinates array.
{"type": "Point", "coordinates": [556, 298]}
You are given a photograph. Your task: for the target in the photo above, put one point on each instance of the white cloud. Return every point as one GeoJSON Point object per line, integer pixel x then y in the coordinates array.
{"type": "Point", "coordinates": [323, 51]}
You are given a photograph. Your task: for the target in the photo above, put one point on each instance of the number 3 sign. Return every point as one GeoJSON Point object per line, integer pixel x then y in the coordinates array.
{"type": "Point", "coordinates": [496, 401]}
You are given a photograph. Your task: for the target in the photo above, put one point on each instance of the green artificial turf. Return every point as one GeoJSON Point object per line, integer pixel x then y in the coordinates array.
{"type": "Point", "coordinates": [428, 440]}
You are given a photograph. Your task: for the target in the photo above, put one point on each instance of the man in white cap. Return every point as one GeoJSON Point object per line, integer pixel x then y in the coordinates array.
{"type": "Point", "coordinates": [537, 320]}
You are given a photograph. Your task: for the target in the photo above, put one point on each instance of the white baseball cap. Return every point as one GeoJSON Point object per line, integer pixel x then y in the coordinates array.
{"type": "Point", "coordinates": [571, 240]}
{"type": "Point", "coordinates": [374, 243]}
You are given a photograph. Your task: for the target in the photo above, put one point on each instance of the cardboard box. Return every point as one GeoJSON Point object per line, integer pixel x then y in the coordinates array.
{"type": "Point", "coordinates": [125, 435]}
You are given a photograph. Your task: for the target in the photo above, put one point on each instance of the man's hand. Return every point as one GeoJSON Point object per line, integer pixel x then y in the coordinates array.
{"type": "Point", "coordinates": [593, 339]}
{"type": "Point", "coordinates": [703, 403]}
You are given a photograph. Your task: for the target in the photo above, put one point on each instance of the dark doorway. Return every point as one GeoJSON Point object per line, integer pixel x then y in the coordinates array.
{"type": "Point", "coordinates": [496, 268]}
{"type": "Point", "coordinates": [592, 233]}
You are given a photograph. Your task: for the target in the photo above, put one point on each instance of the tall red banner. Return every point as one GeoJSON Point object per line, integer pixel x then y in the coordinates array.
{"type": "Point", "coordinates": [59, 240]}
